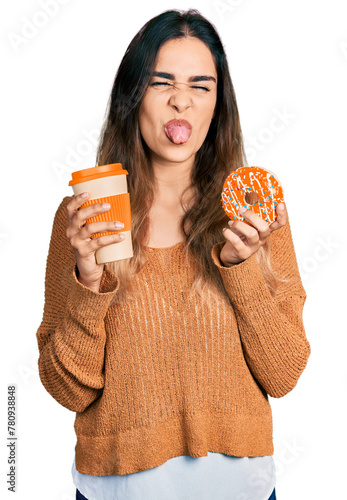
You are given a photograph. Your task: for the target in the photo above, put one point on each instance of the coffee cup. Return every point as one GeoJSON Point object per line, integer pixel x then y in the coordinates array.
{"type": "Point", "coordinates": [107, 184]}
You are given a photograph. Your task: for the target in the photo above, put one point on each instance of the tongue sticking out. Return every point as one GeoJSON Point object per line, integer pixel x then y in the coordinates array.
{"type": "Point", "coordinates": [178, 134]}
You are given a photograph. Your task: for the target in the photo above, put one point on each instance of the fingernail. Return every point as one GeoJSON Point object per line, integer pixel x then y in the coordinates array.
{"type": "Point", "coordinates": [122, 236]}
{"type": "Point", "coordinates": [119, 225]}
{"type": "Point", "coordinates": [231, 222]}
{"type": "Point", "coordinates": [243, 210]}
{"type": "Point", "coordinates": [106, 205]}
{"type": "Point", "coordinates": [84, 195]}
{"type": "Point", "coordinates": [281, 206]}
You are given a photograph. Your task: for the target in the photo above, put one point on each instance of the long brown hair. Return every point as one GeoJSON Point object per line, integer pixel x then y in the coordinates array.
{"type": "Point", "coordinates": [221, 153]}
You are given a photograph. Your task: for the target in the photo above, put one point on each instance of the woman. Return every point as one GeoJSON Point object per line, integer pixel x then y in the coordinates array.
{"type": "Point", "coordinates": [168, 358]}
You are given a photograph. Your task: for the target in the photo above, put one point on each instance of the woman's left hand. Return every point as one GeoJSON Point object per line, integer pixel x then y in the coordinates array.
{"type": "Point", "coordinates": [244, 240]}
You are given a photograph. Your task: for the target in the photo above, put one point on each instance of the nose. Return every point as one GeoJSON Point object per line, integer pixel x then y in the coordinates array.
{"type": "Point", "coordinates": [180, 98]}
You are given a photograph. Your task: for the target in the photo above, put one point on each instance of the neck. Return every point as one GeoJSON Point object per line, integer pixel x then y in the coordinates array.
{"type": "Point", "coordinates": [171, 179]}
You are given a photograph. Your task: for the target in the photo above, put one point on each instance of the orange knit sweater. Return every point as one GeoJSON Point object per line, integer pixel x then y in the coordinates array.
{"type": "Point", "coordinates": [164, 376]}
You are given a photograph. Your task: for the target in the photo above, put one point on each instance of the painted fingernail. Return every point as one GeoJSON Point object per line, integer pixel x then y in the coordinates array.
{"type": "Point", "coordinates": [106, 205]}
{"type": "Point", "coordinates": [122, 236]}
{"type": "Point", "coordinates": [119, 225]}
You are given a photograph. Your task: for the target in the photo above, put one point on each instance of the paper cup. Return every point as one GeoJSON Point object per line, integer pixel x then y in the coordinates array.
{"type": "Point", "coordinates": [107, 184]}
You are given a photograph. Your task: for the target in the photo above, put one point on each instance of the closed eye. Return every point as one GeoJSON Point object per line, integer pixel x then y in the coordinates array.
{"type": "Point", "coordinates": [157, 84]}
{"type": "Point", "coordinates": [202, 88]}
{"type": "Point", "coordinates": [161, 84]}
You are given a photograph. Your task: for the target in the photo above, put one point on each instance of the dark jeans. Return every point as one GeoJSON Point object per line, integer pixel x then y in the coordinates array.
{"type": "Point", "coordinates": [273, 495]}
{"type": "Point", "coordinates": [79, 496]}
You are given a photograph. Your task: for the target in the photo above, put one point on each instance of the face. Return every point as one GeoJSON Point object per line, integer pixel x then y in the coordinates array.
{"type": "Point", "coordinates": [187, 62]}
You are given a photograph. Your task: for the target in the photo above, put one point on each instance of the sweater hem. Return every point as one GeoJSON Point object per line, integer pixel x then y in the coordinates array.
{"type": "Point", "coordinates": [193, 434]}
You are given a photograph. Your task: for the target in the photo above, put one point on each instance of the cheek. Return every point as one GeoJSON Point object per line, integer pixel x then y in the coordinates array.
{"type": "Point", "coordinates": [209, 106]}
{"type": "Point", "coordinates": [148, 123]}
{"type": "Point", "coordinates": [207, 115]}
{"type": "Point", "coordinates": [144, 122]}
{"type": "Point", "coordinates": [212, 107]}
{"type": "Point", "coordinates": [147, 117]}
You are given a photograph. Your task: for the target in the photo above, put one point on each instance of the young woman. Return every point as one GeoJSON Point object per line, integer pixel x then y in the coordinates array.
{"type": "Point", "coordinates": [168, 358]}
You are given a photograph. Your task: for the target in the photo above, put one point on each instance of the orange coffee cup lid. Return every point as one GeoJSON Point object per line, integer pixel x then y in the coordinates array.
{"type": "Point", "coordinates": [89, 174]}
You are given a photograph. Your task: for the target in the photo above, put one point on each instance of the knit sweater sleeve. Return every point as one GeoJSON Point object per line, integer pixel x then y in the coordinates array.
{"type": "Point", "coordinates": [71, 338]}
{"type": "Point", "coordinates": [271, 327]}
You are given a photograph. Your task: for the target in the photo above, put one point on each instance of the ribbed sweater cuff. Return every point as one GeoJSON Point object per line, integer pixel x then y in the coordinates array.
{"type": "Point", "coordinates": [244, 282]}
{"type": "Point", "coordinates": [89, 305]}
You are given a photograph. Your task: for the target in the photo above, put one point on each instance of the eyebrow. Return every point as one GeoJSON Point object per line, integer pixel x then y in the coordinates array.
{"type": "Point", "coordinates": [169, 76]}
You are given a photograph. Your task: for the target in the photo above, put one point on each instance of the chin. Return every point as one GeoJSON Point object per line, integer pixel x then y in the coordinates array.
{"type": "Point", "coordinates": [180, 156]}
{"type": "Point", "coordinates": [180, 152]}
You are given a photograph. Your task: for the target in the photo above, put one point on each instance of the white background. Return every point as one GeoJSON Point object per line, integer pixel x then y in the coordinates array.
{"type": "Point", "coordinates": [287, 59]}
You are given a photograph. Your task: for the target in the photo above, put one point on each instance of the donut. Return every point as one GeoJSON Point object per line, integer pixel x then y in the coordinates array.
{"type": "Point", "coordinates": [253, 188]}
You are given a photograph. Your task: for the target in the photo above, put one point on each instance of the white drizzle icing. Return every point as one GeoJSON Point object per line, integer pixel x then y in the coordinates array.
{"type": "Point", "coordinates": [267, 199]}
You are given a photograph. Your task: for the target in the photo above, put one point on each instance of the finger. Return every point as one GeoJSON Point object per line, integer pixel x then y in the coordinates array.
{"type": "Point", "coordinates": [255, 220]}
{"type": "Point", "coordinates": [75, 204]}
{"type": "Point", "coordinates": [85, 213]}
{"type": "Point", "coordinates": [254, 229]}
{"type": "Point", "coordinates": [244, 231]}
{"type": "Point", "coordinates": [100, 227]}
{"type": "Point", "coordinates": [86, 248]}
{"type": "Point", "coordinates": [241, 249]}
{"type": "Point", "coordinates": [105, 240]}
{"type": "Point", "coordinates": [282, 217]}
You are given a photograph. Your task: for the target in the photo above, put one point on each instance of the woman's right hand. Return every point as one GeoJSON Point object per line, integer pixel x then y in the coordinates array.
{"type": "Point", "coordinates": [79, 235]}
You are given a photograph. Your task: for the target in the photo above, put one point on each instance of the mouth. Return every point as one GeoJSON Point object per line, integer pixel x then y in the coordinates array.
{"type": "Point", "coordinates": [178, 131]}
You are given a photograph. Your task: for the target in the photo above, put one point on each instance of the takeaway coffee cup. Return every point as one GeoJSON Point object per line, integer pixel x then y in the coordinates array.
{"type": "Point", "coordinates": [107, 184]}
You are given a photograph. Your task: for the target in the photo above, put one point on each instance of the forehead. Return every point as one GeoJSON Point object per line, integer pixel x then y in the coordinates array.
{"type": "Point", "coordinates": [184, 57]}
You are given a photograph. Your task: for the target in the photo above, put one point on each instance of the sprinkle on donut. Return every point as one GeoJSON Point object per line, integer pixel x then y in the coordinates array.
{"type": "Point", "coordinates": [253, 188]}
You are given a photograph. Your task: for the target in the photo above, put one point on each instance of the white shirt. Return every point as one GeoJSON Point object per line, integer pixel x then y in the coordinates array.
{"type": "Point", "coordinates": [217, 476]}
